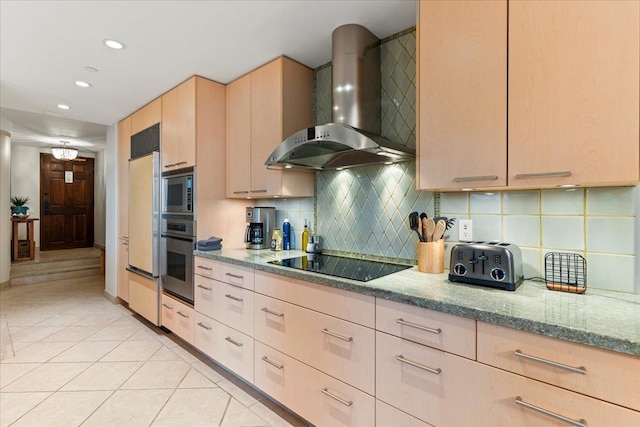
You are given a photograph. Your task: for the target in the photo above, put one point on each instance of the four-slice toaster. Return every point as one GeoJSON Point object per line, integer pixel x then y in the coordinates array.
{"type": "Point", "coordinates": [493, 264]}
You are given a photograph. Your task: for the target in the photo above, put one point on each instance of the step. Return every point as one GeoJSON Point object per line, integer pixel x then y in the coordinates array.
{"type": "Point", "coordinates": [35, 268]}
{"type": "Point", "coordinates": [57, 274]}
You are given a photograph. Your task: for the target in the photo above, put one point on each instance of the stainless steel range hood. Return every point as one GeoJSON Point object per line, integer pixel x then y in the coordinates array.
{"type": "Point", "coordinates": [353, 138]}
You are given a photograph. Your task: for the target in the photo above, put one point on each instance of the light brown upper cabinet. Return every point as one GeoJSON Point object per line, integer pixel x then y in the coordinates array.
{"type": "Point", "coordinates": [263, 108]}
{"type": "Point", "coordinates": [147, 116]}
{"type": "Point", "coordinates": [462, 88]}
{"type": "Point", "coordinates": [179, 126]}
{"type": "Point", "coordinates": [573, 93]}
{"type": "Point", "coordinates": [124, 152]}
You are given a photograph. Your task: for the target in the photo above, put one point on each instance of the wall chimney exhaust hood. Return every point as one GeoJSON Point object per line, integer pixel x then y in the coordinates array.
{"type": "Point", "coordinates": [353, 138]}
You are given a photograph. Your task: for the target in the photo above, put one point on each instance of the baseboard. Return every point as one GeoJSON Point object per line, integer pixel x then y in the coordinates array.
{"type": "Point", "coordinates": [112, 299]}
{"type": "Point", "coordinates": [98, 246]}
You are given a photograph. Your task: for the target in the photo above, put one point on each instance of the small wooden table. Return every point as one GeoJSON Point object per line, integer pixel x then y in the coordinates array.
{"type": "Point", "coordinates": [23, 250]}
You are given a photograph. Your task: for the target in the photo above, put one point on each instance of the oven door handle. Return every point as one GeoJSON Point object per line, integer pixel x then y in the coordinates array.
{"type": "Point", "coordinates": [189, 239]}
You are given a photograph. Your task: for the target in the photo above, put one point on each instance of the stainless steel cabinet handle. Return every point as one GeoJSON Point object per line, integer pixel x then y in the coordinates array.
{"type": "Point", "coordinates": [402, 359]}
{"type": "Point", "coordinates": [543, 175]}
{"type": "Point", "coordinates": [234, 298]}
{"type": "Point", "coordinates": [235, 276]}
{"type": "Point", "coordinates": [275, 313]}
{"type": "Point", "coordinates": [202, 325]}
{"type": "Point", "coordinates": [125, 244]}
{"type": "Point", "coordinates": [240, 192]}
{"type": "Point", "coordinates": [258, 191]}
{"type": "Point", "coordinates": [169, 166]}
{"type": "Point", "coordinates": [204, 287]}
{"type": "Point", "coordinates": [579, 370]}
{"type": "Point", "coordinates": [205, 268]}
{"type": "Point", "coordinates": [577, 423]}
{"type": "Point", "coordinates": [234, 342]}
{"type": "Point", "coordinates": [334, 397]}
{"type": "Point", "coordinates": [167, 306]}
{"type": "Point", "coordinates": [272, 363]}
{"type": "Point", "coordinates": [333, 334]}
{"type": "Point", "coordinates": [182, 314]}
{"type": "Point", "coordinates": [180, 163]}
{"type": "Point", "coordinates": [415, 325]}
{"type": "Point", "coordinates": [124, 237]}
{"type": "Point", "coordinates": [475, 178]}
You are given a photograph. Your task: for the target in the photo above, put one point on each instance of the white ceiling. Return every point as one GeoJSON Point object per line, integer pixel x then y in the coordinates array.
{"type": "Point", "coordinates": [45, 45]}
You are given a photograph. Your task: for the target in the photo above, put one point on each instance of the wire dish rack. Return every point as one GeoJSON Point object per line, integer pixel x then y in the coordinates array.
{"type": "Point", "coordinates": [565, 272]}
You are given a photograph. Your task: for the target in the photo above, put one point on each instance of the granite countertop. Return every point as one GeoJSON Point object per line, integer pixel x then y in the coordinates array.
{"type": "Point", "coordinates": [609, 320]}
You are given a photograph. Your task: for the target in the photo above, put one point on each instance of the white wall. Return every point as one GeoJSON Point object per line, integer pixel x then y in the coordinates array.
{"type": "Point", "coordinates": [99, 199]}
{"type": "Point", "coordinates": [111, 244]}
{"type": "Point", "coordinates": [5, 194]}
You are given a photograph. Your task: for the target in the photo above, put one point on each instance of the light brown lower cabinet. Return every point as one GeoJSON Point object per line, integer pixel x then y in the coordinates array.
{"type": "Point", "coordinates": [143, 297]}
{"type": "Point", "coordinates": [177, 317]}
{"type": "Point", "coordinates": [387, 415]}
{"type": "Point", "coordinates": [314, 395]}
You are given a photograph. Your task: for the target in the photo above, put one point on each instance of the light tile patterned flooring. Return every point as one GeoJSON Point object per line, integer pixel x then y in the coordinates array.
{"type": "Point", "coordinates": [70, 357]}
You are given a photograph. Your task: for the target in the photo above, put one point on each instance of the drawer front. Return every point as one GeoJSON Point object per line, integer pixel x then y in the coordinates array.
{"type": "Point", "coordinates": [203, 294]}
{"type": "Point", "coordinates": [203, 337]}
{"type": "Point", "coordinates": [205, 267]}
{"type": "Point", "coordinates": [233, 306]}
{"type": "Point", "coordinates": [343, 304]}
{"type": "Point", "coordinates": [387, 415]}
{"type": "Point", "coordinates": [276, 374]}
{"type": "Point", "coordinates": [339, 348]}
{"type": "Point", "coordinates": [426, 383]}
{"type": "Point", "coordinates": [234, 350]}
{"type": "Point", "coordinates": [506, 399]}
{"type": "Point", "coordinates": [143, 297]}
{"type": "Point", "coordinates": [443, 331]}
{"type": "Point", "coordinates": [178, 318]}
{"type": "Point", "coordinates": [236, 275]}
{"type": "Point", "coordinates": [606, 375]}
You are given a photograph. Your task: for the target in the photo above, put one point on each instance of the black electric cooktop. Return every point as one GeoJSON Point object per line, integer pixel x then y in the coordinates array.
{"type": "Point", "coordinates": [361, 270]}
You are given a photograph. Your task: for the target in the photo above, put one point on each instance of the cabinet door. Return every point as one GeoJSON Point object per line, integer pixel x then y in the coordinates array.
{"type": "Point", "coordinates": [143, 297]}
{"type": "Point", "coordinates": [573, 92]}
{"type": "Point", "coordinates": [179, 126]}
{"type": "Point", "coordinates": [266, 127]}
{"type": "Point", "coordinates": [462, 110]}
{"type": "Point", "coordinates": [147, 116]}
{"type": "Point", "coordinates": [238, 137]}
{"type": "Point", "coordinates": [124, 152]}
{"type": "Point", "coordinates": [122, 273]}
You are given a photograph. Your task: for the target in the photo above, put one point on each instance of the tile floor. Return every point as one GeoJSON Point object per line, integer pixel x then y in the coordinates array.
{"type": "Point", "coordinates": [70, 357]}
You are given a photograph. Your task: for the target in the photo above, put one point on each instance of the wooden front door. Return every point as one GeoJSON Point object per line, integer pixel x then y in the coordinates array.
{"type": "Point", "coordinates": [66, 203]}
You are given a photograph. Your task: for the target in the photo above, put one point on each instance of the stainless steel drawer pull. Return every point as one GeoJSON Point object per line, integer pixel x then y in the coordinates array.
{"type": "Point", "coordinates": [204, 287]}
{"type": "Point", "coordinates": [475, 178]}
{"type": "Point", "coordinates": [234, 298]}
{"type": "Point", "coordinates": [415, 325]}
{"type": "Point", "coordinates": [578, 423]}
{"type": "Point", "coordinates": [543, 175]}
{"type": "Point", "coordinates": [258, 191]}
{"type": "Point", "coordinates": [205, 268]}
{"type": "Point", "coordinates": [235, 276]}
{"type": "Point", "coordinates": [202, 325]}
{"type": "Point", "coordinates": [272, 363]}
{"type": "Point", "coordinates": [240, 192]}
{"type": "Point", "coordinates": [180, 163]}
{"type": "Point", "coordinates": [275, 313]}
{"type": "Point", "coordinates": [579, 370]}
{"type": "Point", "coordinates": [171, 165]}
{"type": "Point", "coordinates": [234, 342]}
{"type": "Point", "coordinates": [334, 397]}
{"type": "Point", "coordinates": [183, 315]}
{"type": "Point", "coordinates": [402, 359]}
{"type": "Point", "coordinates": [167, 306]}
{"type": "Point", "coordinates": [333, 334]}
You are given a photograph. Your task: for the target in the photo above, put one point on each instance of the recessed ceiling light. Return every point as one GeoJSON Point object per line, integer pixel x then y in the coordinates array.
{"type": "Point", "coordinates": [63, 107]}
{"type": "Point", "coordinates": [113, 44]}
{"type": "Point", "coordinates": [82, 84]}
{"type": "Point", "coordinates": [90, 69]}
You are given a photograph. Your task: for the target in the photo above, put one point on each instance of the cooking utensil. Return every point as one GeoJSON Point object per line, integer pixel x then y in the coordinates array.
{"type": "Point", "coordinates": [439, 230]}
{"type": "Point", "coordinates": [414, 224]}
{"type": "Point", "coordinates": [429, 227]}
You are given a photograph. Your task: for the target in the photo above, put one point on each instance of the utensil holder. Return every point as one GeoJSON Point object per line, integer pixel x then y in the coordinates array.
{"type": "Point", "coordinates": [431, 257]}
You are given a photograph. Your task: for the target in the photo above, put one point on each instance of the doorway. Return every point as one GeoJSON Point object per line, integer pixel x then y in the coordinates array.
{"type": "Point", "coordinates": [66, 203]}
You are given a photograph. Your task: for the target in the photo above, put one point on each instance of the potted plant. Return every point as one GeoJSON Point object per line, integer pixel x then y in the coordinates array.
{"type": "Point", "coordinates": [18, 205]}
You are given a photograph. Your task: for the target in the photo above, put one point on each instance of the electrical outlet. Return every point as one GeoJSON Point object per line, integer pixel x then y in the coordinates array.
{"type": "Point", "coordinates": [465, 230]}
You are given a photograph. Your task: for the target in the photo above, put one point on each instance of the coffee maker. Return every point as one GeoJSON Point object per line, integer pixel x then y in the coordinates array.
{"type": "Point", "coordinates": [261, 222]}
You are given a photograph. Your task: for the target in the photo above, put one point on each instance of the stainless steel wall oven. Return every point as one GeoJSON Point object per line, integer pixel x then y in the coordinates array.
{"type": "Point", "coordinates": [178, 241]}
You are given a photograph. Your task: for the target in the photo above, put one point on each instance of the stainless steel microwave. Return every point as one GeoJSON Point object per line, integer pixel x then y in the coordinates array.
{"type": "Point", "coordinates": [178, 192]}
